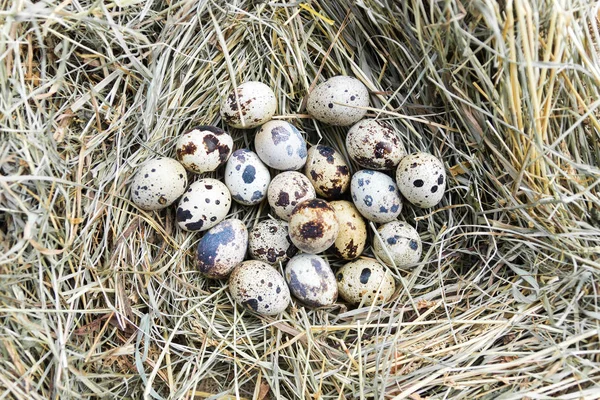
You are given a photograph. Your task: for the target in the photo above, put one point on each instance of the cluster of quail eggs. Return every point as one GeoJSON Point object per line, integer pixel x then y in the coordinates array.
{"type": "Point", "coordinates": [312, 220]}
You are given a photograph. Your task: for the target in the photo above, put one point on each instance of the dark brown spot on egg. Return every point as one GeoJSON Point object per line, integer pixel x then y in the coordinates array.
{"type": "Point", "coordinates": [382, 149]}
{"type": "Point", "coordinates": [312, 230]}
{"type": "Point", "coordinates": [283, 200]}
{"type": "Point", "coordinates": [162, 200]}
{"type": "Point", "coordinates": [186, 149]}
{"type": "Point", "coordinates": [419, 183]}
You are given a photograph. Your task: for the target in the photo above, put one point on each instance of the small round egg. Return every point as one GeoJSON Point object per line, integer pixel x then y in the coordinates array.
{"type": "Point", "coordinates": [327, 171]}
{"type": "Point", "coordinates": [335, 101]}
{"type": "Point", "coordinates": [421, 178]}
{"type": "Point", "coordinates": [374, 144]}
{"type": "Point", "coordinates": [270, 242]}
{"type": "Point", "coordinates": [246, 177]}
{"type": "Point", "coordinates": [204, 205]}
{"type": "Point", "coordinates": [352, 236]}
{"type": "Point", "coordinates": [286, 190]}
{"type": "Point", "coordinates": [313, 226]}
{"type": "Point", "coordinates": [222, 248]}
{"type": "Point", "coordinates": [259, 287]}
{"type": "Point", "coordinates": [311, 280]}
{"type": "Point", "coordinates": [376, 196]}
{"type": "Point", "coordinates": [158, 183]}
{"type": "Point", "coordinates": [402, 242]}
{"type": "Point", "coordinates": [203, 149]}
{"type": "Point", "coordinates": [365, 280]}
{"type": "Point", "coordinates": [250, 105]}
{"type": "Point", "coordinates": [280, 145]}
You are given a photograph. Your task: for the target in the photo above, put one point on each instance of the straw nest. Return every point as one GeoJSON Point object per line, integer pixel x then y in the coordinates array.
{"type": "Point", "coordinates": [101, 299]}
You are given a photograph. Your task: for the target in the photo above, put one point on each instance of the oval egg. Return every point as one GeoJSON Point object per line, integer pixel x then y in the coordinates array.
{"type": "Point", "coordinates": [222, 248]}
{"type": "Point", "coordinates": [286, 190]}
{"type": "Point", "coordinates": [421, 178]}
{"type": "Point", "coordinates": [270, 242]}
{"type": "Point", "coordinates": [158, 183]}
{"type": "Point", "coordinates": [376, 196]}
{"type": "Point", "coordinates": [250, 105]}
{"type": "Point", "coordinates": [203, 149]}
{"type": "Point", "coordinates": [204, 205]}
{"type": "Point", "coordinates": [365, 280]}
{"type": "Point", "coordinates": [374, 144]}
{"type": "Point", "coordinates": [280, 145]}
{"type": "Point", "coordinates": [337, 101]}
{"type": "Point", "coordinates": [311, 280]}
{"type": "Point", "coordinates": [352, 237]}
{"type": "Point", "coordinates": [327, 171]}
{"type": "Point", "coordinates": [313, 226]}
{"type": "Point", "coordinates": [246, 177]}
{"type": "Point", "coordinates": [401, 241]}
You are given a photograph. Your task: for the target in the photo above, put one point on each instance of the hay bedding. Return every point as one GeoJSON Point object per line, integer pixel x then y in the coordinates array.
{"type": "Point", "coordinates": [100, 299]}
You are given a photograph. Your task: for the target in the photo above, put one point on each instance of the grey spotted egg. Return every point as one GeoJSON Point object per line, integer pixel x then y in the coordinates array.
{"type": "Point", "coordinates": [270, 242]}
{"type": "Point", "coordinates": [313, 226]}
{"type": "Point", "coordinates": [421, 178]}
{"type": "Point", "coordinates": [401, 241]}
{"type": "Point", "coordinates": [222, 248]}
{"type": "Point", "coordinates": [250, 105]}
{"type": "Point", "coordinates": [158, 183]}
{"type": "Point", "coordinates": [352, 237]}
{"type": "Point", "coordinates": [338, 101]}
{"type": "Point", "coordinates": [204, 149]}
{"type": "Point", "coordinates": [280, 145]}
{"type": "Point", "coordinates": [311, 280]}
{"type": "Point", "coordinates": [365, 281]}
{"type": "Point", "coordinates": [286, 190]}
{"type": "Point", "coordinates": [259, 287]}
{"type": "Point", "coordinates": [374, 144]}
{"type": "Point", "coordinates": [327, 171]}
{"type": "Point", "coordinates": [246, 177]}
{"type": "Point", "coordinates": [204, 205]}
{"type": "Point", "coordinates": [376, 196]}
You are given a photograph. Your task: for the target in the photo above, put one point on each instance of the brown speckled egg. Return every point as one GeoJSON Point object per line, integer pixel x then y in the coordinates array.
{"type": "Point", "coordinates": [352, 236]}
{"type": "Point", "coordinates": [311, 280]}
{"type": "Point", "coordinates": [259, 287]}
{"type": "Point", "coordinates": [327, 171]}
{"type": "Point", "coordinates": [338, 101]}
{"type": "Point", "coordinates": [421, 179]}
{"type": "Point", "coordinates": [313, 226]}
{"type": "Point", "coordinates": [222, 248]}
{"type": "Point", "coordinates": [374, 144]}
{"type": "Point", "coordinates": [158, 183]}
{"type": "Point", "coordinates": [402, 242]}
{"type": "Point", "coordinates": [204, 149]}
{"type": "Point", "coordinates": [255, 104]}
{"type": "Point", "coordinates": [286, 190]}
{"type": "Point", "coordinates": [270, 242]}
{"type": "Point", "coordinates": [365, 280]}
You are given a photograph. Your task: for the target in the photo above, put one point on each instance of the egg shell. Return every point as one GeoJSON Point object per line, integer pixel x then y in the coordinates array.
{"type": "Point", "coordinates": [255, 104]}
{"type": "Point", "coordinates": [365, 280]}
{"type": "Point", "coordinates": [313, 226]}
{"type": "Point", "coordinates": [204, 205]}
{"type": "Point", "coordinates": [327, 171]}
{"type": "Point", "coordinates": [280, 145]}
{"type": "Point", "coordinates": [334, 101]}
{"type": "Point", "coordinates": [222, 248]}
{"type": "Point", "coordinates": [421, 178]}
{"type": "Point", "coordinates": [259, 287]}
{"type": "Point", "coordinates": [376, 196]}
{"type": "Point", "coordinates": [203, 149]}
{"type": "Point", "coordinates": [352, 237]}
{"type": "Point", "coordinates": [270, 242]}
{"type": "Point", "coordinates": [401, 240]}
{"type": "Point", "coordinates": [246, 177]}
{"type": "Point", "coordinates": [311, 280]}
{"type": "Point", "coordinates": [158, 183]}
{"type": "Point", "coordinates": [374, 144]}
{"type": "Point", "coordinates": [286, 190]}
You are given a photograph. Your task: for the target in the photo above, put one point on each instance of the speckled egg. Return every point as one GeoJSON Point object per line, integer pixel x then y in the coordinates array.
{"type": "Point", "coordinates": [335, 101]}
{"type": "Point", "coordinates": [255, 104]}
{"type": "Point", "coordinates": [280, 145]}
{"type": "Point", "coordinates": [204, 205]}
{"type": "Point", "coordinates": [421, 179]}
{"type": "Point", "coordinates": [286, 190]}
{"type": "Point", "coordinates": [246, 177]}
{"type": "Point", "coordinates": [327, 171]}
{"type": "Point", "coordinates": [313, 226]}
{"type": "Point", "coordinates": [374, 144]}
{"type": "Point", "coordinates": [311, 280]}
{"type": "Point", "coordinates": [259, 287]}
{"type": "Point", "coordinates": [158, 183]}
{"type": "Point", "coordinates": [222, 248]}
{"type": "Point", "coordinates": [402, 242]}
{"type": "Point", "coordinates": [270, 242]}
{"type": "Point", "coordinates": [376, 196]}
{"type": "Point", "coordinates": [204, 149]}
{"type": "Point", "coordinates": [352, 236]}
{"type": "Point", "coordinates": [365, 280]}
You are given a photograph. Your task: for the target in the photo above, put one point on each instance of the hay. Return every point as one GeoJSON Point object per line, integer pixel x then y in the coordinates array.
{"type": "Point", "coordinates": [99, 299]}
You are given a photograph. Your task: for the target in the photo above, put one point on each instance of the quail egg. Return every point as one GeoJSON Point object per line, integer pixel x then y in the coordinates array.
{"type": "Point", "coordinates": [270, 242]}
{"type": "Point", "coordinates": [352, 236]}
{"type": "Point", "coordinates": [338, 101]}
{"type": "Point", "coordinates": [376, 196]}
{"type": "Point", "coordinates": [204, 205]}
{"type": "Point", "coordinates": [402, 242]}
{"type": "Point", "coordinates": [365, 280]}
{"type": "Point", "coordinates": [281, 146]}
{"type": "Point", "coordinates": [249, 105]}
{"type": "Point", "coordinates": [204, 149]}
{"type": "Point", "coordinates": [313, 226]}
{"type": "Point", "coordinates": [311, 280]}
{"type": "Point", "coordinates": [246, 177]}
{"type": "Point", "coordinates": [327, 171]}
{"type": "Point", "coordinates": [421, 178]}
{"type": "Point", "coordinates": [286, 190]}
{"type": "Point", "coordinates": [158, 183]}
{"type": "Point", "coordinates": [222, 248]}
{"type": "Point", "coordinates": [374, 144]}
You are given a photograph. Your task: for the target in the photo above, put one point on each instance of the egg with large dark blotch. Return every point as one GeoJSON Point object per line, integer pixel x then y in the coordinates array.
{"type": "Point", "coordinates": [222, 248]}
{"type": "Point", "coordinates": [313, 226]}
{"type": "Point", "coordinates": [328, 172]}
{"type": "Point", "coordinates": [311, 280]}
{"type": "Point", "coordinates": [280, 145]}
{"type": "Point", "coordinates": [365, 281]}
{"type": "Point", "coordinates": [246, 177]}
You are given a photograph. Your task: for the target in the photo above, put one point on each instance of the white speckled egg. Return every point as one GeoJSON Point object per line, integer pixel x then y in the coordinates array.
{"type": "Point", "coordinates": [311, 280]}
{"type": "Point", "coordinates": [334, 101]}
{"type": "Point", "coordinates": [352, 236]}
{"type": "Point", "coordinates": [365, 280]}
{"type": "Point", "coordinates": [222, 248]}
{"type": "Point", "coordinates": [259, 287]}
{"type": "Point", "coordinates": [313, 226]}
{"type": "Point", "coordinates": [246, 177]}
{"type": "Point", "coordinates": [158, 183]}
{"type": "Point", "coordinates": [401, 240]}
{"type": "Point", "coordinates": [204, 205]}
{"type": "Point", "coordinates": [286, 190]}
{"type": "Point", "coordinates": [327, 171]}
{"type": "Point", "coordinates": [255, 104]}
{"type": "Point", "coordinates": [280, 145]}
{"type": "Point", "coordinates": [376, 196]}
{"type": "Point", "coordinates": [374, 144]}
{"type": "Point", "coordinates": [421, 179]}
{"type": "Point", "coordinates": [270, 242]}
{"type": "Point", "coordinates": [204, 149]}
